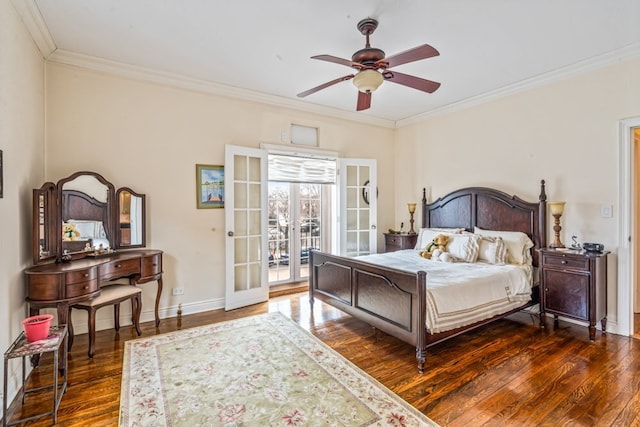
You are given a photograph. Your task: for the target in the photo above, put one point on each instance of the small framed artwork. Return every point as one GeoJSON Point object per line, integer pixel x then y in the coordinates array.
{"type": "Point", "coordinates": [210, 186]}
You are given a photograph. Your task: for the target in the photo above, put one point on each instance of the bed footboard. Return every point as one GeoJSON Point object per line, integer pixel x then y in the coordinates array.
{"type": "Point", "coordinates": [391, 300]}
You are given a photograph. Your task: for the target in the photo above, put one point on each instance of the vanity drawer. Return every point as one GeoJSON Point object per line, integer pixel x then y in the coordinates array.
{"type": "Point", "coordinates": [151, 265]}
{"type": "Point", "coordinates": [567, 261]}
{"type": "Point", "coordinates": [81, 288]}
{"type": "Point", "coordinates": [81, 275]}
{"type": "Point", "coordinates": [119, 268]}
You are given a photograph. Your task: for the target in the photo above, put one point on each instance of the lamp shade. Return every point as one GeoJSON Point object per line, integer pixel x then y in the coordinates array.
{"type": "Point", "coordinates": [557, 208]}
{"type": "Point", "coordinates": [368, 80]}
{"type": "Point", "coordinates": [412, 207]}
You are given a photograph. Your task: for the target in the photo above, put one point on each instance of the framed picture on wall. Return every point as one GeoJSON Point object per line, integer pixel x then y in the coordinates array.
{"type": "Point", "coordinates": [210, 186]}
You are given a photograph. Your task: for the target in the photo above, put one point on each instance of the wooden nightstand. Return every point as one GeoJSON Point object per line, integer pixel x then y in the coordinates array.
{"type": "Point", "coordinates": [395, 242]}
{"type": "Point", "coordinates": [574, 285]}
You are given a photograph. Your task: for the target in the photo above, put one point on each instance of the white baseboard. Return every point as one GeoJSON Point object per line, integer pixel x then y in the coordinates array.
{"type": "Point", "coordinates": [81, 326]}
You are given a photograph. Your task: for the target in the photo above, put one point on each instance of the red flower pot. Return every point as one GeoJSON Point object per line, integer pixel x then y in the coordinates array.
{"type": "Point", "coordinates": [37, 327]}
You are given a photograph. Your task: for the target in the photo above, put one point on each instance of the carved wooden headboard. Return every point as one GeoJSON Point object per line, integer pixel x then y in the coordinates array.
{"type": "Point", "coordinates": [489, 209]}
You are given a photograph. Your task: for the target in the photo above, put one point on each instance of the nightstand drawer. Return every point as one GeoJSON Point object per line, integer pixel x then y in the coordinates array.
{"type": "Point", "coordinates": [396, 242]}
{"type": "Point", "coordinates": [560, 260]}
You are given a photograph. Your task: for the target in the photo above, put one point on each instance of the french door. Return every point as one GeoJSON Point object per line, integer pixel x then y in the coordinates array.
{"type": "Point", "coordinates": [358, 207]}
{"type": "Point", "coordinates": [245, 222]}
{"type": "Point", "coordinates": [338, 218]}
{"type": "Point", "coordinates": [296, 226]}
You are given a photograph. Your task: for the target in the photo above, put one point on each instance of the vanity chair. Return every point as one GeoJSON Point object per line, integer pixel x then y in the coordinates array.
{"type": "Point", "coordinates": [111, 295]}
{"type": "Point", "coordinates": [78, 270]}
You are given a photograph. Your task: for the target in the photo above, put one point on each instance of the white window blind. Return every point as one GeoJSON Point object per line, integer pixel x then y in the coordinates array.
{"type": "Point", "coordinates": [285, 168]}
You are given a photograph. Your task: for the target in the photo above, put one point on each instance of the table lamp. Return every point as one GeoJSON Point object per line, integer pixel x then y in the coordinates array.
{"type": "Point", "coordinates": [412, 210]}
{"type": "Point", "coordinates": [557, 208]}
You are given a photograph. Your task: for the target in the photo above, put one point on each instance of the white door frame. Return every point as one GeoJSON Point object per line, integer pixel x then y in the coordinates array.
{"type": "Point", "coordinates": [626, 253]}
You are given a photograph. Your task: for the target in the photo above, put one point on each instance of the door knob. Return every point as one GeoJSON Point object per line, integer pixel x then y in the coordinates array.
{"type": "Point", "coordinates": [230, 233]}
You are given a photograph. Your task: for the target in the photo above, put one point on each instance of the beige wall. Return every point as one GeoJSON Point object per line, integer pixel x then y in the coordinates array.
{"type": "Point", "coordinates": [565, 133]}
{"type": "Point", "coordinates": [21, 141]}
{"type": "Point", "coordinates": [150, 137]}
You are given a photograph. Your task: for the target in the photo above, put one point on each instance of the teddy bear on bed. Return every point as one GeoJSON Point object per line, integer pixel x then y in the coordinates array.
{"type": "Point", "coordinates": [69, 232]}
{"type": "Point", "coordinates": [437, 249]}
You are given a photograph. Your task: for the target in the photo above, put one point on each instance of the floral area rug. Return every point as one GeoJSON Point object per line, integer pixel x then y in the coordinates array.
{"type": "Point", "coordinates": [257, 371]}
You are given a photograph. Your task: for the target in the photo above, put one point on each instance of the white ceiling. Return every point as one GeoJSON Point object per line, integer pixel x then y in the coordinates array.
{"type": "Point", "coordinates": [261, 49]}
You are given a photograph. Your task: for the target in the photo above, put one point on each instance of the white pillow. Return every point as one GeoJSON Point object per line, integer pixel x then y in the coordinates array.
{"type": "Point", "coordinates": [492, 250]}
{"type": "Point", "coordinates": [518, 244]}
{"type": "Point", "coordinates": [463, 247]}
{"type": "Point", "coordinates": [426, 235]}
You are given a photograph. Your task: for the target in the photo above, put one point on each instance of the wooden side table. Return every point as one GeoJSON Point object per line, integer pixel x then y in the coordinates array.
{"type": "Point", "coordinates": [395, 242]}
{"type": "Point", "coordinates": [55, 342]}
{"type": "Point", "coordinates": [574, 285]}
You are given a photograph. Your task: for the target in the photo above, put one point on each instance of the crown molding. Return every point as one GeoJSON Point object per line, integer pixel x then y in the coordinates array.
{"type": "Point", "coordinates": [628, 52]}
{"type": "Point", "coordinates": [32, 19]}
{"type": "Point", "coordinates": [183, 82]}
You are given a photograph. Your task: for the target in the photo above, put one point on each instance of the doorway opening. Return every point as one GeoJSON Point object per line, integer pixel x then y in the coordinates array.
{"type": "Point", "coordinates": [296, 226]}
{"type": "Point", "coordinates": [628, 298]}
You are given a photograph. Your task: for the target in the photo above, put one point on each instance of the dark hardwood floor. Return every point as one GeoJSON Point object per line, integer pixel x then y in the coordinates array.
{"type": "Point", "coordinates": [510, 373]}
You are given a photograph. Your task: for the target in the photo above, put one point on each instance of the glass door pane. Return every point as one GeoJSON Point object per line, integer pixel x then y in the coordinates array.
{"type": "Point", "coordinates": [278, 233]}
{"type": "Point", "coordinates": [310, 209]}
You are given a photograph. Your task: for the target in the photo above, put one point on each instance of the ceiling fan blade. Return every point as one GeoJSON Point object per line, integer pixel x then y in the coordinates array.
{"type": "Point", "coordinates": [324, 85]}
{"type": "Point", "coordinates": [420, 52]}
{"type": "Point", "coordinates": [364, 101]}
{"type": "Point", "coordinates": [411, 81]}
{"type": "Point", "coordinates": [336, 60]}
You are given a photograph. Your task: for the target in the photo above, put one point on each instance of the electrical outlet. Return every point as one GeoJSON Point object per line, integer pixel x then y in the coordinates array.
{"type": "Point", "coordinates": [177, 291]}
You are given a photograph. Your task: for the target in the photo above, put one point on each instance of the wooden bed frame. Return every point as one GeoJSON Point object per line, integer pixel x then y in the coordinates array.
{"type": "Point", "coordinates": [394, 301]}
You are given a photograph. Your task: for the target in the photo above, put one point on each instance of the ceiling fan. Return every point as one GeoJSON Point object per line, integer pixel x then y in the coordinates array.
{"type": "Point", "coordinates": [373, 68]}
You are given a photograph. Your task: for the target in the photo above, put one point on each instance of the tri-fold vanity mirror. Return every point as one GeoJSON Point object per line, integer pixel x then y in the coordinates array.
{"type": "Point", "coordinates": [83, 215]}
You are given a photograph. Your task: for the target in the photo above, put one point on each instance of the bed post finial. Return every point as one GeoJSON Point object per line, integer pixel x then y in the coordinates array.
{"type": "Point", "coordinates": [424, 195]}
{"type": "Point", "coordinates": [542, 217]}
{"type": "Point", "coordinates": [543, 195]}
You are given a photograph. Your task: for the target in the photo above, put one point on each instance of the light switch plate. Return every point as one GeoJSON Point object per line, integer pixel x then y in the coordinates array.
{"type": "Point", "coordinates": [606, 211]}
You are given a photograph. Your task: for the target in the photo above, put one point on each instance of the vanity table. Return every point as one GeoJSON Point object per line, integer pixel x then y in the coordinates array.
{"type": "Point", "coordinates": [71, 267]}
{"type": "Point", "coordinates": [62, 285]}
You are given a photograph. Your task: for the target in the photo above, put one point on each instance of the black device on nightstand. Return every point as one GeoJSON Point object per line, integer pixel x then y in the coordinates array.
{"type": "Point", "coordinates": [593, 247]}
{"type": "Point", "coordinates": [574, 285]}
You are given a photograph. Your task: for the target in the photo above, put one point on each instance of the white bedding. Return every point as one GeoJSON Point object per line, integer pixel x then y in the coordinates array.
{"type": "Point", "coordinates": [459, 294]}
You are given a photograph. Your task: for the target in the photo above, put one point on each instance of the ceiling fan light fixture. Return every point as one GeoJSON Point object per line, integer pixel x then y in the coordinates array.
{"type": "Point", "coordinates": [367, 81]}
